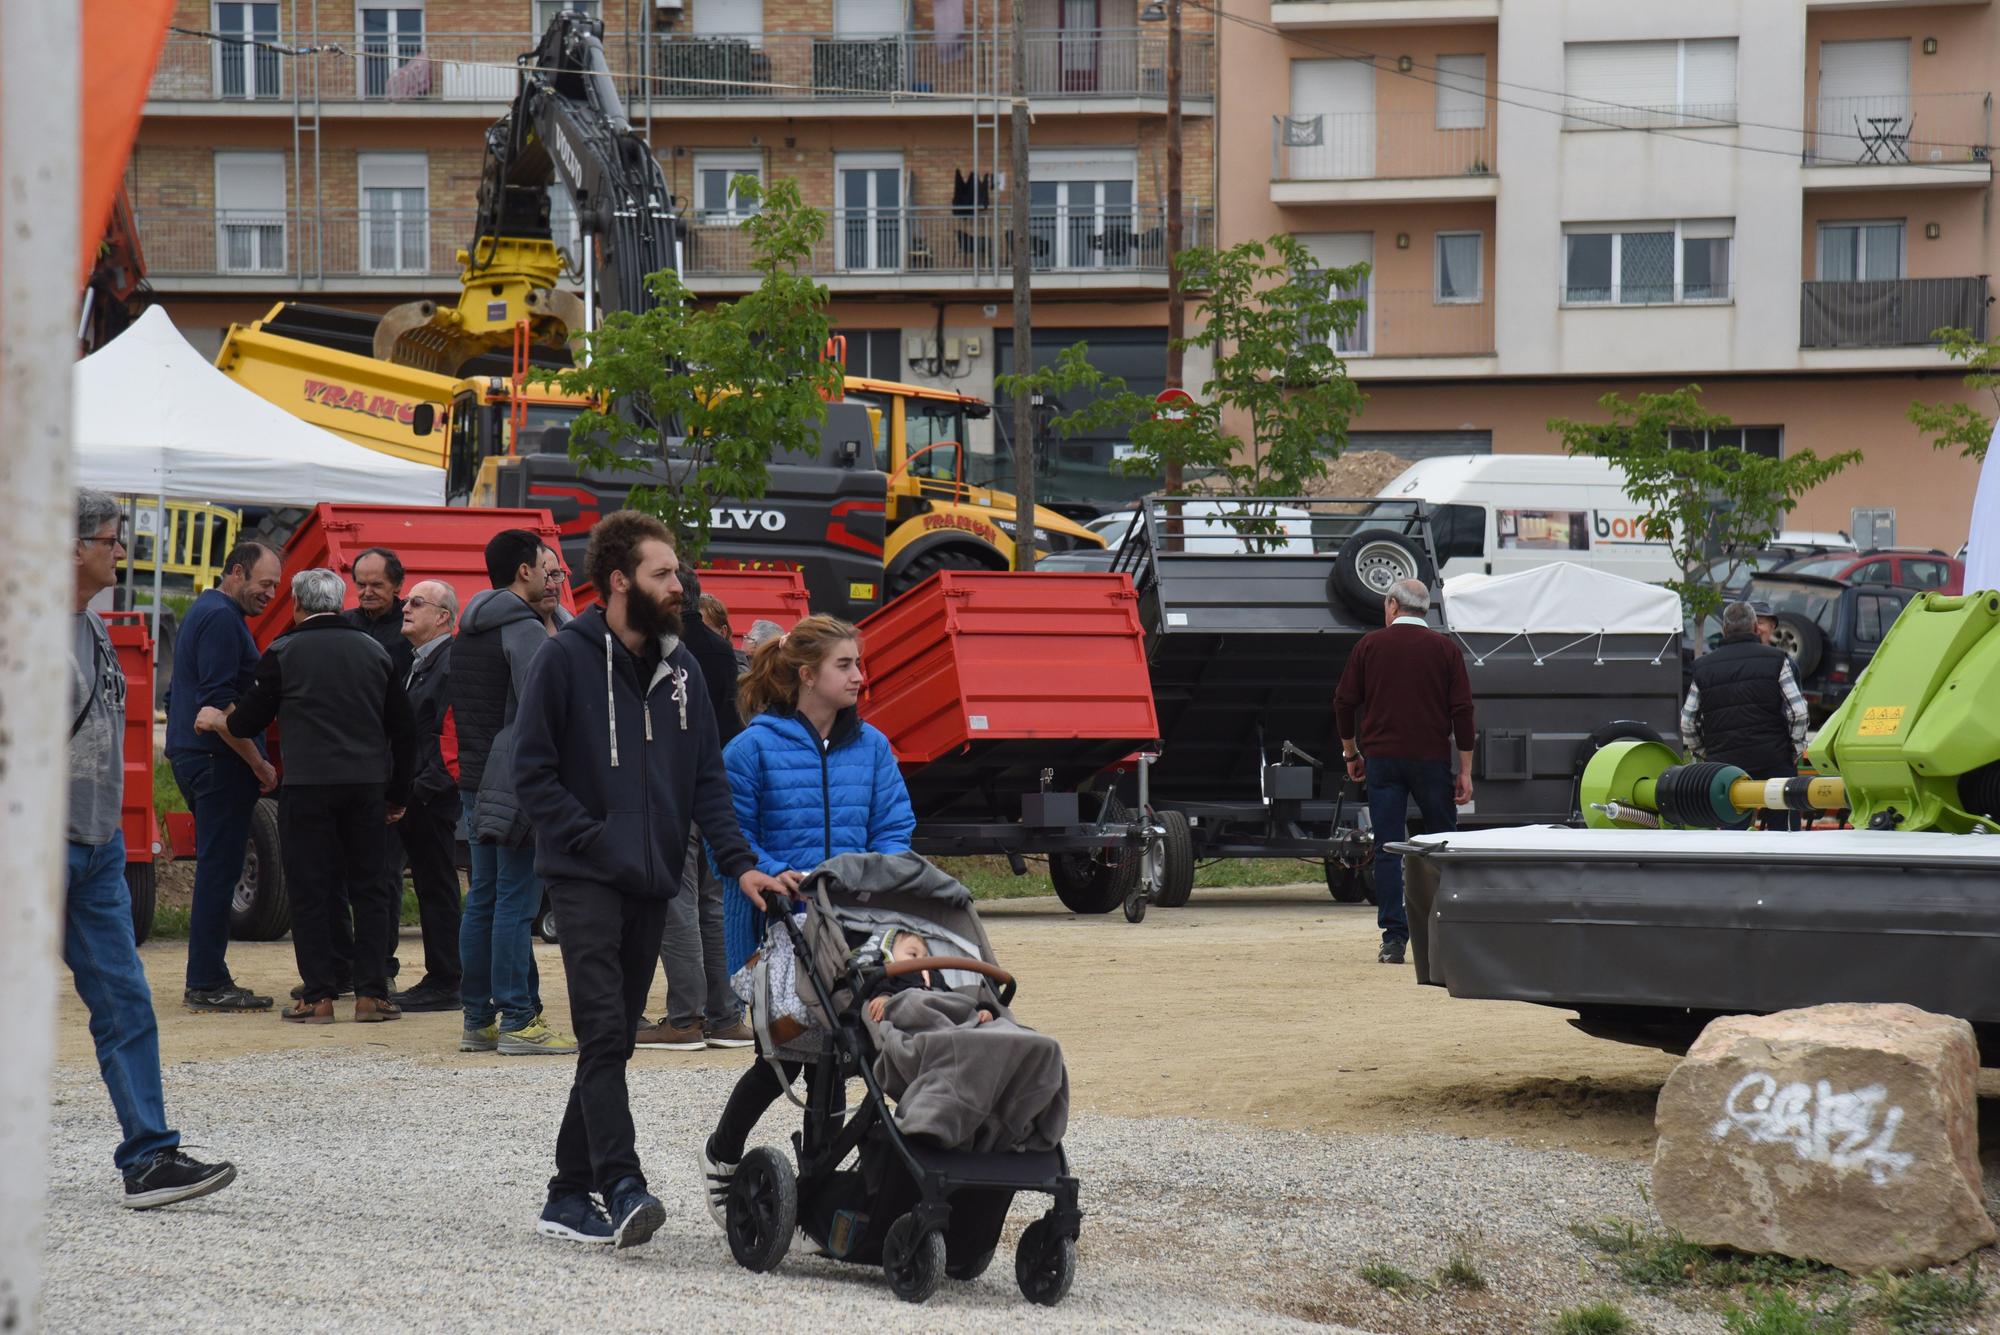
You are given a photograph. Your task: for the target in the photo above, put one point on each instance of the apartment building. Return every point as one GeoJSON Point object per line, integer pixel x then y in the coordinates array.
{"type": "Point", "coordinates": [336, 160]}
{"type": "Point", "coordinates": [1779, 200]}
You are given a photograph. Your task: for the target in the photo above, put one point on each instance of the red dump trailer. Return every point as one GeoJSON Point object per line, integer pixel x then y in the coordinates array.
{"type": "Point", "coordinates": [1006, 697]}
{"type": "Point", "coordinates": [777, 596]}
{"type": "Point", "coordinates": [131, 639]}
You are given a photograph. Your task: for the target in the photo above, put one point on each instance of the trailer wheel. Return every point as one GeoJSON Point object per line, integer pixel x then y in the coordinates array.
{"type": "Point", "coordinates": [260, 910]}
{"type": "Point", "coordinates": [1371, 563]}
{"type": "Point", "coordinates": [545, 921]}
{"type": "Point", "coordinates": [1351, 884]}
{"type": "Point", "coordinates": [1176, 861]}
{"type": "Point", "coordinates": [139, 880]}
{"type": "Point", "coordinates": [923, 567]}
{"type": "Point", "coordinates": [1092, 883]}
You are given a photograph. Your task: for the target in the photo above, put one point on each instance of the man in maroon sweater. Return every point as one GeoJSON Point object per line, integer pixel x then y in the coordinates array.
{"type": "Point", "coordinates": [1406, 699]}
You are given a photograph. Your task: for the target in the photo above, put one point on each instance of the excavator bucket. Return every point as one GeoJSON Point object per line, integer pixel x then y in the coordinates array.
{"type": "Point", "coordinates": [516, 282]}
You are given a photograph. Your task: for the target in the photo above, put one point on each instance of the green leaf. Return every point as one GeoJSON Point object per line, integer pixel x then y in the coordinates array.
{"type": "Point", "coordinates": [1960, 426]}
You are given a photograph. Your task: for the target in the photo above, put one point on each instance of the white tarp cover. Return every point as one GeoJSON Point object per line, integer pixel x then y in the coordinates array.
{"type": "Point", "coordinates": [1562, 597]}
{"type": "Point", "coordinates": [1558, 842]}
{"type": "Point", "coordinates": [153, 418]}
{"type": "Point", "coordinates": [1982, 553]}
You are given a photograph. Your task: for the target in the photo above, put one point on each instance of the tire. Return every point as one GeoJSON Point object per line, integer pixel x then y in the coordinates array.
{"type": "Point", "coordinates": [1804, 641]}
{"type": "Point", "coordinates": [1044, 1264]}
{"type": "Point", "coordinates": [1371, 562]}
{"type": "Point", "coordinates": [968, 1270]}
{"type": "Point", "coordinates": [763, 1210]}
{"type": "Point", "coordinates": [260, 910]}
{"type": "Point", "coordinates": [274, 528]}
{"type": "Point", "coordinates": [1350, 884]}
{"type": "Point", "coordinates": [139, 880]}
{"type": "Point", "coordinates": [913, 1262]}
{"type": "Point", "coordinates": [1135, 905]}
{"type": "Point", "coordinates": [1093, 882]}
{"type": "Point", "coordinates": [923, 567]}
{"type": "Point", "coordinates": [545, 922]}
{"type": "Point", "coordinates": [1176, 861]}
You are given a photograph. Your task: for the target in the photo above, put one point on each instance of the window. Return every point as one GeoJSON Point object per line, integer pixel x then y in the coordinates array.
{"type": "Point", "coordinates": [1461, 92]}
{"type": "Point", "coordinates": [546, 11]}
{"type": "Point", "coordinates": [1926, 574]}
{"type": "Point", "coordinates": [714, 200]}
{"type": "Point", "coordinates": [1081, 208]}
{"type": "Point", "coordinates": [250, 212]}
{"type": "Point", "coordinates": [1851, 252]}
{"type": "Point", "coordinates": [1460, 256]}
{"type": "Point", "coordinates": [1647, 264]}
{"type": "Point", "coordinates": [1330, 134]}
{"type": "Point", "coordinates": [247, 71]}
{"type": "Point", "coordinates": [1872, 572]}
{"type": "Point", "coordinates": [1864, 102]}
{"type": "Point", "coordinates": [1767, 441]}
{"type": "Point", "coordinates": [1630, 85]}
{"type": "Point", "coordinates": [868, 210]}
{"type": "Point", "coordinates": [868, 18]}
{"type": "Point", "coordinates": [394, 214]}
{"type": "Point", "coordinates": [1874, 613]}
{"type": "Point", "coordinates": [874, 354]}
{"type": "Point", "coordinates": [730, 18]}
{"type": "Point", "coordinates": [389, 39]}
{"type": "Point", "coordinates": [1344, 250]}
{"type": "Point", "coordinates": [1458, 530]}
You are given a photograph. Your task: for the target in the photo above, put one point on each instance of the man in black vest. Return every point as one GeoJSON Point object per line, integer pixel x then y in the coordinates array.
{"type": "Point", "coordinates": [1744, 707]}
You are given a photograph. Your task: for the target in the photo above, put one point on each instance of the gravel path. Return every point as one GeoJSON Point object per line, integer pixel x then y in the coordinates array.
{"type": "Point", "coordinates": [380, 1192]}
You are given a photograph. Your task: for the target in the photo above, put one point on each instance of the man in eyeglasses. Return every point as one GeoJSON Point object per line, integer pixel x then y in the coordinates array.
{"type": "Point", "coordinates": [98, 941]}
{"type": "Point", "coordinates": [549, 606]}
{"type": "Point", "coordinates": [428, 828]}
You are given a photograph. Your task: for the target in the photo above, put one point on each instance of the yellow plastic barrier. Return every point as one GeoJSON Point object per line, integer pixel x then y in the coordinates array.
{"type": "Point", "coordinates": [196, 539]}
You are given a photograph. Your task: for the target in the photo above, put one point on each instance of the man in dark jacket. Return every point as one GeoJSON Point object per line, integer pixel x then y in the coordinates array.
{"type": "Point", "coordinates": [350, 748]}
{"type": "Point", "coordinates": [428, 828]}
{"type": "Point", "coordinates": [1744, 706]}
{"type": "Point", "coordinates": [617, 756]}
{"type": "Point", "coordinates": [378, 587]}
{"type": "Point", "coordinates": [499, 633]}
{"type": "Point", "coordinates": [219, 776]}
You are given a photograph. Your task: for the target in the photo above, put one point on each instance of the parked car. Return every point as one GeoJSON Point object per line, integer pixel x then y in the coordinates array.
{"type": "Point", "coordinates": [1208, 530]}
{"type": "Point", "coordinates": [1815, 539]}
{"type": "Point", "coordinates": [1732, 573]}
{"type": "Point", "coordinates": [1910, 567]}
{"type": "Point", "coordinates": [1830, 629]}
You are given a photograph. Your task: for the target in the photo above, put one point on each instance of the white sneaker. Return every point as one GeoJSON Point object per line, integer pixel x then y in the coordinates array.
{"type": "Point", "coordinates": [715, 1180]}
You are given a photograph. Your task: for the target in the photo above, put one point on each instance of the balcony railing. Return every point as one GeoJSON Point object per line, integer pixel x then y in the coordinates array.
{"type": "Point", "coordinates": [1587, 115]}
{"type": "Point", "coordinates": [1899, 128]}
{"type": "Point", "coordinates": [451, 67]}
{"type": "Point", "coordinates": [1416, 323]}
{"type": "Point", "coordinates": [1890, 312]}
{"type": "Point", "coordinates": [311, 245]}
{"type": "Point", "coordinates": [1368, 145]}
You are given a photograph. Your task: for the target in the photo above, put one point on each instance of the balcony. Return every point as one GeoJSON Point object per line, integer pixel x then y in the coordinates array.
{"type": "Point", "coordinates": [1889, 313]}
{"type": "Point", "coordinates": [1900, 141]}
{"type": "Point", "coordinates": [912, 249]}
{"type": "Point", "coordinates": [1397, 156]}
{"type": "Point", "coordinates": [907, 74]}
{"type": "Point", "coordinates": [1406, 333]}
{"type": "Point", "coordinates": [1305, 15]}
{"type": "Point", "coordinates": [474, 73]}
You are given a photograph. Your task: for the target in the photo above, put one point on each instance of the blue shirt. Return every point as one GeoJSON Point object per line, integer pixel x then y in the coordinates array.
{"type": "Point", "coordinates": [214, 661]}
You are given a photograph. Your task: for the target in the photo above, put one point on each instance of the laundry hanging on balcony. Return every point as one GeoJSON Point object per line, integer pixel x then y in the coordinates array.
{"type": "Point", "coordinates": [971, 193]}
{"type": "Point", "coordinates": [1304, 131]}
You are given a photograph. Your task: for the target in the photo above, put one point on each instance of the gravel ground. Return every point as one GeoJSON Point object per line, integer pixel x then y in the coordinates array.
{"type": "Point", "coordinates": [383, 1193]}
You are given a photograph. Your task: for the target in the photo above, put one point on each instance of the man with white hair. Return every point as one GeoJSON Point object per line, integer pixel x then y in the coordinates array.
{"type": "Point", "coordinates": [428, 828]}
{"type": "Point", "coordinates": [1403, 707]}
{"type": "Point", "coordinates": [1744, 706]}
{"type": "Point", "coordinates": [349, 752]}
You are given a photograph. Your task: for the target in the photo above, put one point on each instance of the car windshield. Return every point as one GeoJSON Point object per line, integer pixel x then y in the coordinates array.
{"type": "Point", "coordinates": [1810, 601]}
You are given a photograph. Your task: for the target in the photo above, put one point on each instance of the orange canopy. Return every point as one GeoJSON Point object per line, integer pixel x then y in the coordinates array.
{"type": "Point", "coordinates": [121, 44]}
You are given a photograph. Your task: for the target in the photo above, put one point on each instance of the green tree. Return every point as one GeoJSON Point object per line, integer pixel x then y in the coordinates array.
{"type": "Point", "coordinates": [720, 388]}
{"type": "Point", "coordinates": [1699, 501]}
{"type": "Point", "coordinates": [1961, 426]}
{"type": "Point", "coordinates": [1268, 319]}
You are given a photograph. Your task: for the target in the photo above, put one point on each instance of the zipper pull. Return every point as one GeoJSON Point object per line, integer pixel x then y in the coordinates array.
{"type": "Point", "coordinates": [648, 710]}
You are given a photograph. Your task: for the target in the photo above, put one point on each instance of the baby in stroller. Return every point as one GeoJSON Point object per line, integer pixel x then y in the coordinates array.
{"type": "Point", "coordinates": [962, 1107]}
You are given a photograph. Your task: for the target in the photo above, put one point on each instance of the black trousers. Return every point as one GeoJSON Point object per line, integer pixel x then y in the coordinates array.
{"type": "Point", "coordinates": [610, 946]}
{"type": "Point", "coordinates": [428, 835]}
{"type": "Point", "coordinates": [334, 835]}
{"type": "Point", "coordinates": [755, 1092]}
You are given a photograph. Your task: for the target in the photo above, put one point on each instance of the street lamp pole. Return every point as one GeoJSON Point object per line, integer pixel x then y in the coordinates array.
{"type": "Point", "coordinates": [1024, 345]}
{"type": "Point", "coordinates": [1170, 10]}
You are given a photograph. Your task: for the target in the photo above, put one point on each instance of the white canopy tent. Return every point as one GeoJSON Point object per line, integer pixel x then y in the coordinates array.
{"type": "Point", "coordinates": [1561, 598]}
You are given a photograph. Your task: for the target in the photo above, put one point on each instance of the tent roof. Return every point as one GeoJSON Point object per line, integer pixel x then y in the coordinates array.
{"type": "Point", "coordinates": [153, 418]}
{"type": "Point", "coordinates": [1561, 596]}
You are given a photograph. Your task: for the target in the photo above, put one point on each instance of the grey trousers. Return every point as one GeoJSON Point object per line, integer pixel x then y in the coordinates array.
{"type": "Point", "coordinates": [698, 991]}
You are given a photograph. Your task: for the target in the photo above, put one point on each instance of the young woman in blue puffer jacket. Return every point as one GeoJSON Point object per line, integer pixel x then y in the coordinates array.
{"type": "Point", "coordinates": [811, 781]}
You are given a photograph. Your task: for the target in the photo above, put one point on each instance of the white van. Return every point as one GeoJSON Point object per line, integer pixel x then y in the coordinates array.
{"type": "Point", "coordinates": [1501, 513]}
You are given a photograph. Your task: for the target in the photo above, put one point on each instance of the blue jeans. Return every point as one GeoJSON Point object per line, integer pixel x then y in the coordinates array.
{"type": "Point", "coordinates": [1391, 786]}
{"type": "Point", "coordinates": [221, 792]}
{"type": "Point", "coordinates": [104, 965]}
{"type": "Point", "coordinates": [494, 947]}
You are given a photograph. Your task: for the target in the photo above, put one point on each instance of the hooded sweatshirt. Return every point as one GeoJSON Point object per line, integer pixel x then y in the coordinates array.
{"type": "Point", "coordinates": [499, 635]}
{"type": "Point", "coordinates": [614, 769]}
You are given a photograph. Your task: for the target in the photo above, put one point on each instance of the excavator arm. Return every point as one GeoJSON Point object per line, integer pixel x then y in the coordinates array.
{"type": "Point", "coordinates": [568, 129]}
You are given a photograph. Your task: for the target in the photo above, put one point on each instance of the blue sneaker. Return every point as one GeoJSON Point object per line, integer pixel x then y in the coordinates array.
{"type": "Point", "coordinates": [574, 1218]}
{"type": "Point", "coordinates": [637, 1214]}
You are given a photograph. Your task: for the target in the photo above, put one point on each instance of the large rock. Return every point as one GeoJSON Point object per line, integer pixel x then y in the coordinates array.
{"type": "Point", "coordinates": [1846, 1134]}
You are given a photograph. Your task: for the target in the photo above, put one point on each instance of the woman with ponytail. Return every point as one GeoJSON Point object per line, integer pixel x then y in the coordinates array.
{"type": "Point", "coordinates": [811, 781]}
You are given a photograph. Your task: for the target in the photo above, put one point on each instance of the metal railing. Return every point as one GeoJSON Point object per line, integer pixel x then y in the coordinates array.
{"type": "Point", "coordinates": [1588, 115]}
{"type": "Point", "coordinates": [1417, 323]}
{"type": "Point", "coordinates": [1893, 129]}
{"type": "Point", "coordinates": [1365, 145]}
{"type": "Point", "coordinates": [316, 243]}
{"type": "Point", "coordinates": [1889, 313]}
{"type": "Point", "coordinates": [1633, 292]}
{"type": "Point", "coordinates": [480, 67]}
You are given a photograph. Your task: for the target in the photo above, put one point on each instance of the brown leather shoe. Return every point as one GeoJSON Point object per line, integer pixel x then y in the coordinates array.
{"type": "Point", "coordinates": [665, 1037]}
{"type": "Point", "coordinates": [372, 1010]}
{"type": "Point", "coordinates": [308, 1012]}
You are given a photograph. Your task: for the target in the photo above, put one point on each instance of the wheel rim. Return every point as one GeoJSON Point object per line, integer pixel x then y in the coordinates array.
{"type": "Point", "coordinates": [750, 1228]}
{"type": "Point", "coordinates": [1380, 565]}
{"type": "Point", "coordinates": [1784, 637]}
{"type": "Point", "coordinates": [1045, 1271]}
{"type": "Point", "coordinates": [245, 894]}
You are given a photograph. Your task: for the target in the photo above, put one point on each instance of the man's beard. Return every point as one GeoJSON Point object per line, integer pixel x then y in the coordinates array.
{"type": "Point", "coordinates": [649, 616]}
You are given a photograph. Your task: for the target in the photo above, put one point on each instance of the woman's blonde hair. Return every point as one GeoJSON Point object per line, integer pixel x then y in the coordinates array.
{"type": "Point", "coordinates": [772, 681]}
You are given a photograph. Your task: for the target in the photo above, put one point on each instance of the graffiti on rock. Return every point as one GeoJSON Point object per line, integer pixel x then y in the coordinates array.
{"type": "Point", "coordinates": [1856, 1129]}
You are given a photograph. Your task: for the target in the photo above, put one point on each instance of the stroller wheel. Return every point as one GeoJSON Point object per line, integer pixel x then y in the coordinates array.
{"type": "Point", "coordinates": [913, 1262]}
{"type": "Point", "coordinates": [1044, 1264]}
{"type": "Point", "coordinates": [763, 1209]}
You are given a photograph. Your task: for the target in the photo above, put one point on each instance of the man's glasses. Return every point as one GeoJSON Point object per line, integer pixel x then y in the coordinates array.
{"type": "Point", "coordinates": [115, 540]}
{"type": "Point", "coordinates": [555, 576]}
{"type": "Point", "coordinates": [420, 602]}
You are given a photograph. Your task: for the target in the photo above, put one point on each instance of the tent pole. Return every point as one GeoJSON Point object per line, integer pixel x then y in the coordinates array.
{"type": "Point", "coordinates": [159, 564]}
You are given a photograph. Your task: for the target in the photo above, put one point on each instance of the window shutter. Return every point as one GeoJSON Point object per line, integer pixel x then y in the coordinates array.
{"type": "Point", "coordinates": [250, 181]}
{"type": "Point", "coordinates": [868, 18]}
{"type": "Point", "coordinates": [1708, 86]}
{"type": "Point", "coordinates": [1461, 92]}
{"type": "Point", "coordinates": [1627, 74]}
{"type": "Point", "coordinates": [394, 171]}
{"type": "Point", "coordinates": [729, 18]}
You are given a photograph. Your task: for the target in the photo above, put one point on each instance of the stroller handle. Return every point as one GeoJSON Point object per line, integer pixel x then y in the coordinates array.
{"type": "Point", "coordinates": [1001, 978]}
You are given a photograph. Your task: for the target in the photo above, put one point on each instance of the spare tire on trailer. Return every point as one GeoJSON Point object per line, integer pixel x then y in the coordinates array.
{"type": "Point", "coordinates": [1371, 563]}
{"type": "Point", "coordinates": [260, 910]}
{"type": "Point", "coordinates": [1800, 638]}
{"type": "Point", "coordinates": [139, 880]}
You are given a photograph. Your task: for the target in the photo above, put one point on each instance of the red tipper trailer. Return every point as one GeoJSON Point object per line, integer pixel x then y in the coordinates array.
{"type": "Point", "coordinates": [139, 820]}
{"type": "Point", "coordinates": [1005, 695]}
{"type": "Point", "coordinates": [777, 596]}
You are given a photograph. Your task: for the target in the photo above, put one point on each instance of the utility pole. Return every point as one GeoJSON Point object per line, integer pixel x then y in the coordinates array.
{"type": "Point", "coordinates": [1176, 235]}
{"type": "Point", "coordinates": [1024, 343]}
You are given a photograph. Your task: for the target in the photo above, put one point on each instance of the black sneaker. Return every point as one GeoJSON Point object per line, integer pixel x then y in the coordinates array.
{"type": "Point", "coordinates": [299, 992]}
{"type": "Point", "coordinates": [427, 996]}
{"type": "Point", "coordinates": [635, 1214]}
{"type": "Point", "coordinates": [170, 1176]}
{"type": "Point", "coordinates": [1392, 953]}
{"type": "Point", "coordinates": [228, 997]}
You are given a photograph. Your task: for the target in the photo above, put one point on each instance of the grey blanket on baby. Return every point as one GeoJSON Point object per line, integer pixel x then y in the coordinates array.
{"type": "Point", "coordinates": [962, 1085]}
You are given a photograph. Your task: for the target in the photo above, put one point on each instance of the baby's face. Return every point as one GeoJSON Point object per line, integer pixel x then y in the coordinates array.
{"type": "Point", "coordinates": [909, 947]}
